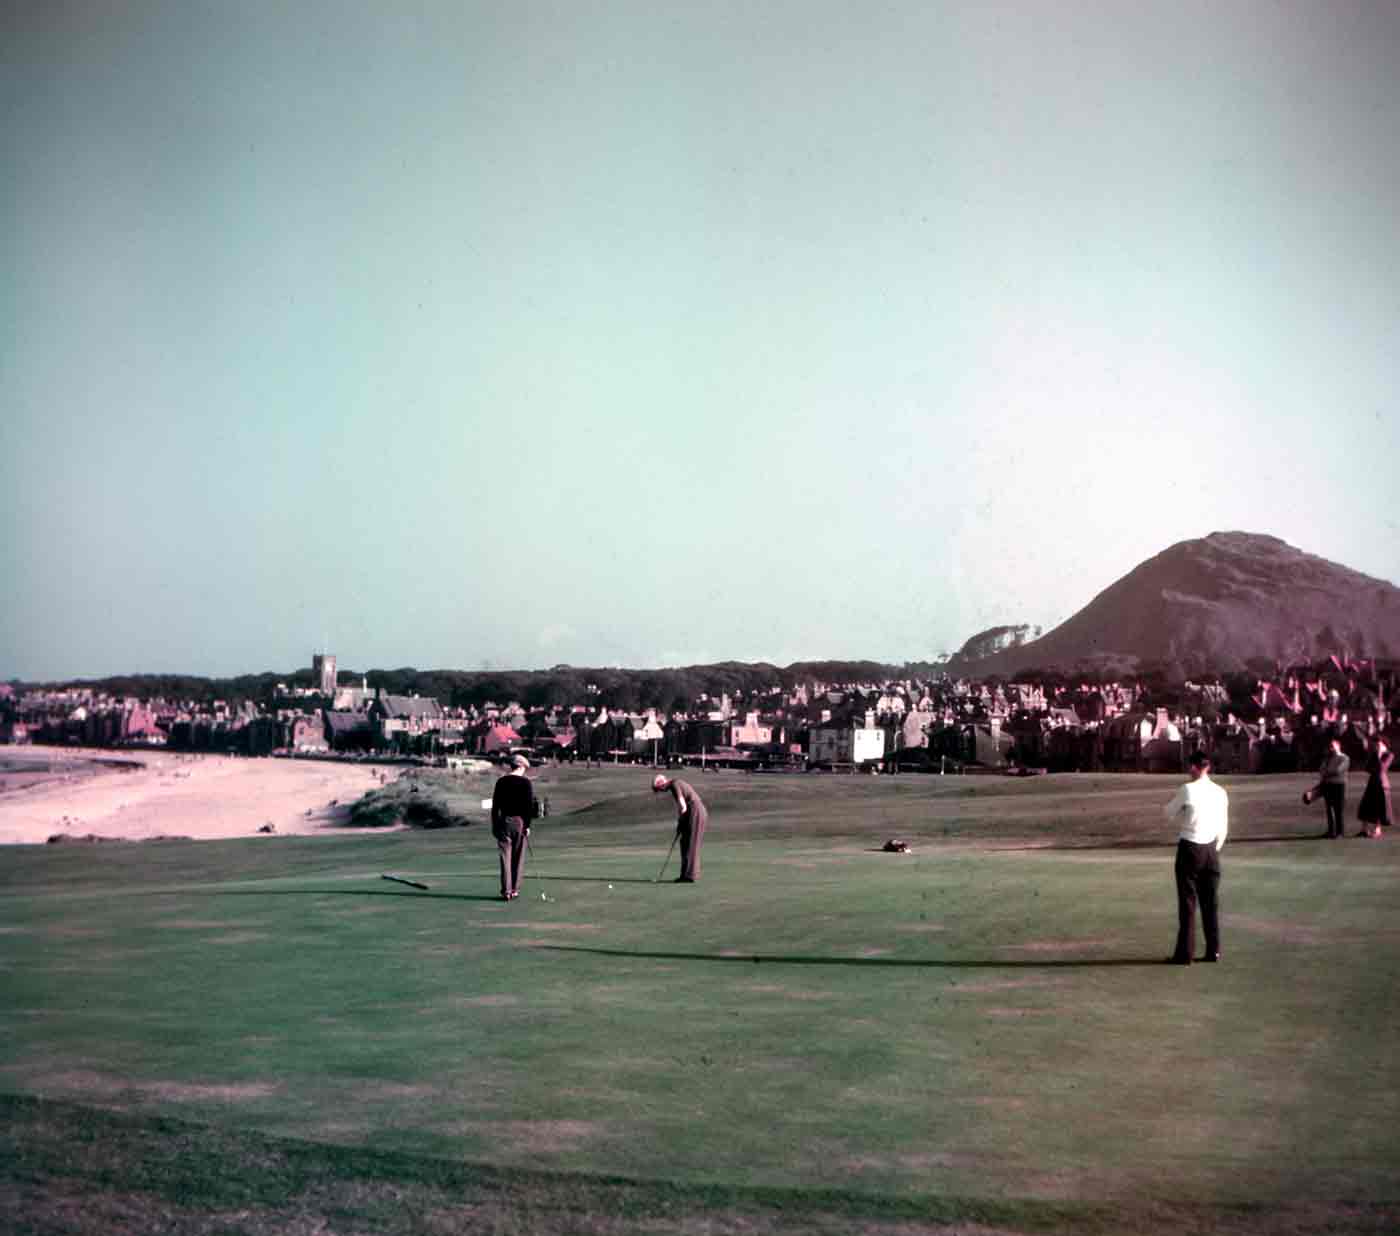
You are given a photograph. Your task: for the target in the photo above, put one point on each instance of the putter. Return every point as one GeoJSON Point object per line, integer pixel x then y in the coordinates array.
{"type": "Point", "coordinates": [401, 880]}
{"type": "Point", "coordinates": [669, 852]}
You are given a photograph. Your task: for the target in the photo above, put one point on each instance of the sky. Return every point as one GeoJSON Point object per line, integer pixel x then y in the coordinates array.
{"type": "Point", "coordinates": [477, 335]}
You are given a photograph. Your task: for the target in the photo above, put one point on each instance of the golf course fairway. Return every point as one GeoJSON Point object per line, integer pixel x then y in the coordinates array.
{"type": "Point", "coordinates": [263, 1035]}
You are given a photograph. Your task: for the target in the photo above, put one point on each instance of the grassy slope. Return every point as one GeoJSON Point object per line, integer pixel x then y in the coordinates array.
{"type": "Point", "coordinates": [982, 1019]}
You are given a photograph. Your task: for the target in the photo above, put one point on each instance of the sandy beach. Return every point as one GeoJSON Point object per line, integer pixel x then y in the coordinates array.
{"type": "Point", "coordinates": [134, 796]}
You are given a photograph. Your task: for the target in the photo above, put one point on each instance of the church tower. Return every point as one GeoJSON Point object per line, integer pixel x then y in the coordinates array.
{"type": "Point", "coordinates": [323, 671]}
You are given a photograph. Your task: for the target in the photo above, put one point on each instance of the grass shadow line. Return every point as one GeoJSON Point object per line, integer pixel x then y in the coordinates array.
{"type": "Point", "coordinates": [803, 960]}
{"type": "Point", "coordinates": [426, 894]}
{"type": "Point", "coordinates": [528, 876]}
{"type": "Point", "coordinates": [1071, 847]}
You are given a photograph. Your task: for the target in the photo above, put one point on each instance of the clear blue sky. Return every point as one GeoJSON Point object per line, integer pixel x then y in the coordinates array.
{"type": "Point", "coordinates": [460, 335]}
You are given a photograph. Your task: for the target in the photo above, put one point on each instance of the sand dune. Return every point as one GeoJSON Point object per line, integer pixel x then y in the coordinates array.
{"type": "Point", "coordinates": [170, 794]}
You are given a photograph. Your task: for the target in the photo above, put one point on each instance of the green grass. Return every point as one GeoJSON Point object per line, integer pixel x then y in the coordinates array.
{"type": "Point", "coordinates": [258, 1034]}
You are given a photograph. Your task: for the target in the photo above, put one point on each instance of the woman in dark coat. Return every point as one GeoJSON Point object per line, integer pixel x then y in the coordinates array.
{"type": "Point", "coordinates": [1374, 810]}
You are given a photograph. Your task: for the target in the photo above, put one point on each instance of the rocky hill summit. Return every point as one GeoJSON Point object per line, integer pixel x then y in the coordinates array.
{"type": "Point", "coordinates": [997, 639]}
{"type": "Point", "coordinates": [1216, 604]}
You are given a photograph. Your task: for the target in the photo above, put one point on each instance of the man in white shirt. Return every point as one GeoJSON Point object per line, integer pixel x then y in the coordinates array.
{"type": "Point", "coordinates": [1202, 810]}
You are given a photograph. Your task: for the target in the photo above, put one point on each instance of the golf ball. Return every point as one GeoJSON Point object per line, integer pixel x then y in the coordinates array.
{"type": "Point", "coordinates": [543, 897]}
{"type": "Point", "coordinates": [609, 885]}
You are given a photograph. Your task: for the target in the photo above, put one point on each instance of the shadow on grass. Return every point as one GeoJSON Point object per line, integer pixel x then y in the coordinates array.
{"type": "Point", "coordinates": [529, 876]}
{"type": "Point", "coordinates": [800, 960]}
{"type": "Point", "coordinates": [1071, 847]}
{"type": "Point", "coordinates": [425, 895]}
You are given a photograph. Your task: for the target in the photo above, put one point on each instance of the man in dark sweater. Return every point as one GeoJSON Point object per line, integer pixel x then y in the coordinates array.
{"type": "Point", "coordinates": [691, 819]}
{"type": "Point", "coordinates": [512, 809]}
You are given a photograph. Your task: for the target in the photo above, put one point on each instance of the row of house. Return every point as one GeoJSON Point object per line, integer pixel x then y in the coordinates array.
{"type": "Point", "coordinates": [1283, 723]}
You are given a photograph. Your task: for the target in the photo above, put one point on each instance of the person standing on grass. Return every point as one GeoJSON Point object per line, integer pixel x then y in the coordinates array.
{"type": "Point", "coordinates": [1332, 785]}
{"type": "Point", "coordinates": [1374, 810]}
{"type": "Point", "coordinates": [512, 809]}
{"type": "Point", "coordinates": [1202, 810]}
{"type": "Point", "coordinates": [691, 819]}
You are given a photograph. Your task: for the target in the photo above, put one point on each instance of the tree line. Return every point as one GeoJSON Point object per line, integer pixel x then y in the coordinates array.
{"type": "Point", "coordinates": [632, 690]}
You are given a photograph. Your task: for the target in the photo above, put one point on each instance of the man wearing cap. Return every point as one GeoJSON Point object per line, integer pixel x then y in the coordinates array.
{"type": "Point", "coordinates": [512, 809]}
{"type": "Point", "coordinates": [1202, 810]}
{"type": "Point", "coordinates": [690, 823]}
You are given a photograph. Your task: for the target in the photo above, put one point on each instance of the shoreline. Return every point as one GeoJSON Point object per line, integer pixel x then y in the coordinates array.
{"type": "Point", "coordinates": [92, 794]}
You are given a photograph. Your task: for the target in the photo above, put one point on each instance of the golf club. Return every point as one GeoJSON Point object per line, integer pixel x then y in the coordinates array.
{"type": "Point", "coordinates": [401, 880]}
{"type": "Point", "coordinates": [669, 852]}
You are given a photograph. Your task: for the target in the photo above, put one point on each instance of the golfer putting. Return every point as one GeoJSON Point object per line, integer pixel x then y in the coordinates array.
{"type": "Point", "coordinates": [512, 809]}
{"type": "Point", "coordinates": [691, 819]}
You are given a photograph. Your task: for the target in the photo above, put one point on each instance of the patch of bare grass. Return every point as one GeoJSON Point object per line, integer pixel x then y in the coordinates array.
{"type": "Point", "coordinates": [979, 986]}
{"type": "Point", "coordinates": [526, 924]}
{"type": "Point", "coordinates": [535, 1138]}
{"type": "Point", "coordinates": [188, 1092]}
{"type": "Point", "coordinates": [196, 924]}
{"type": "Point", "coordinates": [1284, 931]}
{"type": "Point", "coordinates": [1091, 945]}
{"type": "Point", "coordinates": [75, 1083]}
{"type": "Point", "coordinates": [996, 1102]}
{"type": "Point", "coordinates": [916, 1164]}
{"type": "Point", "coordinates": [787, 993]}
{"type": "Point", "coordinates": [239, 937]}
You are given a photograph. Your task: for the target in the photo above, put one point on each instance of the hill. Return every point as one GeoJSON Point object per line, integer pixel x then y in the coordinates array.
{"type": "Point", "coordinates": [1216, 604]}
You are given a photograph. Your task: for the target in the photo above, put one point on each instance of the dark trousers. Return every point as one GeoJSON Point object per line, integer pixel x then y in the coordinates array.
{"type": "Point", "coordinates": [1197, 879]}
{"type": "Point", "coordinates": [1334, 797]}
{"type": "Point", "coordinates": [510, 842]}
{"type": "Point", "coordinates": [692, 832]}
